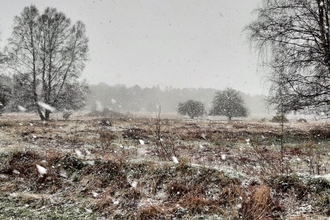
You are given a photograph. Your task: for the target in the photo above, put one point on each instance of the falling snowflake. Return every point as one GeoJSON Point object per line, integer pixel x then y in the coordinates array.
{"type": "Point", "coordinates": [21, 108]}
{"type": "Point", "coordinates": [42, 170]}
{"type": "Point", "coordinates": [134, 184]}
{"type": "Point", "coordinates": [175, 159]}
{"type": "Point", "coordinates": [46, 106]}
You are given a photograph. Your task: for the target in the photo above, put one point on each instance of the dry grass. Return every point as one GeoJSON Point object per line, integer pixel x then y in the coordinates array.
{"type": "Point", "coordinates": [150, 212]}
{"type": "Point", "coordinates": [256, 202]}
{"type": "Point", "coordinates": [120, 171]}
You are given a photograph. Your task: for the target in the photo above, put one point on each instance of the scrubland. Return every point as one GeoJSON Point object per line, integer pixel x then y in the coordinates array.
{"type": "Point", "coordinates": [134, 167]}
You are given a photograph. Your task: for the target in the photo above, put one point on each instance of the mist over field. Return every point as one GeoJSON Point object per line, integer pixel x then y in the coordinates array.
{"type": "Point", "coordinates": [136, 99]}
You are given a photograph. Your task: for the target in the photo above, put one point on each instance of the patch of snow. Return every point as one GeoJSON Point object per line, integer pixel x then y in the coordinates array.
{"type": "Point", "coordinates": [79, 153]}
{"type": "Point", "coordinates": [88, 152]}
{"type": "Point", "coordinates": [90, 162]}
{"type": "Point", "coordinates": [3, 176]}
{"type": "Point", "coordinates": [63, 174]}
{"type": "Point", "coordinates": [142, 151]}
{"type": "Point", "coordinates": [325, 176]}
{"type": "Point", "coordinates": [95, 194]}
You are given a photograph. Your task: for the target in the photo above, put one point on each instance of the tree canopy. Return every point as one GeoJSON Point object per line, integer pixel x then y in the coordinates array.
{"type": "Point", "coordinates": [192, 108]}
{"type": "Point", "coordinates": [46, 55]}
{"type": "Point", "coordinates": [294, 38]}
{"type": "Point", "coordinates": [228, 103]}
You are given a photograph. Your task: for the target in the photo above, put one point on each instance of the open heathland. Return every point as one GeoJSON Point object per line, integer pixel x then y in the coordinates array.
{"type": "Point", "coordinates": [134, 167]}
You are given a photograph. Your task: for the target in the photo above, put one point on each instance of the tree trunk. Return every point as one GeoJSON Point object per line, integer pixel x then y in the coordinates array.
{"type": "Point", "coordinates": [47, 114]}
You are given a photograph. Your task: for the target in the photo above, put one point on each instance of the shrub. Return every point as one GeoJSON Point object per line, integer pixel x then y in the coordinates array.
{"type": "Point", "coordinates": [192, 108]}
{"type": "Point", "coordinates": [67, 114]}
{"type": "Point", "coordinates": [302, 120]}
{"type": "Point", "coordinates": [106, 113]}
{"type": "Point", "coordinates": [279, 118]}
{"type": "Point", "coordinates": [229, 103]}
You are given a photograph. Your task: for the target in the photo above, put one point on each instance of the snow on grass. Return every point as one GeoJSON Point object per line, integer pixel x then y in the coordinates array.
{"type": "Point", "coordinates": [79, 153]}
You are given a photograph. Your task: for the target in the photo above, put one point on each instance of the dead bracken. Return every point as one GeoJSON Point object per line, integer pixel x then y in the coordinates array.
{"type": "Point", "coordinates": [78, 168]}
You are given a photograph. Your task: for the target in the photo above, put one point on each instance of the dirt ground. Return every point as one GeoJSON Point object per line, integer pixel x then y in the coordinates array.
{"type": "Point", "coordinates": [137, 167]}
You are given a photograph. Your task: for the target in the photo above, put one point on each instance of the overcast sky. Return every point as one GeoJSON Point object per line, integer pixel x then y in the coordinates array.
{"type": "Point", "coordinates": [179, 43]}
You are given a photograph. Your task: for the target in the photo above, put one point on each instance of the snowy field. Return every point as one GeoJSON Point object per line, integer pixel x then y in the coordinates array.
{"type": "Point", "coordinates": [139, 167]}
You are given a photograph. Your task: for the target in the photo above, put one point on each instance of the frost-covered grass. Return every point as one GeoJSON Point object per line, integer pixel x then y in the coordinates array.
{"type": "Point", "coordinates": [207, 169]}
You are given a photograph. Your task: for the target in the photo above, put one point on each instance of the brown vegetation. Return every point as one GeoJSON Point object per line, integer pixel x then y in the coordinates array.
{"type": "Point", "coordinates": [220, 170]}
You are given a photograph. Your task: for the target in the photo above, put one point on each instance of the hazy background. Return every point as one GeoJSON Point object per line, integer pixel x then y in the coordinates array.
{"type": "Point", "coordinates": [183, 44]}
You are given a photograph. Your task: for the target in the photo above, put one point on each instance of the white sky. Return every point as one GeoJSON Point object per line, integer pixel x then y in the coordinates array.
{"type": "Point", "coordinates": [179, 43]}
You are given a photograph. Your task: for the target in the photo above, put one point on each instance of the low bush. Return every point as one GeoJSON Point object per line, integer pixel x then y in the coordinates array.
{"type": "Point", "coordinates": [106, 113]}
{"type": "Point", "coordinates": [279, 118]}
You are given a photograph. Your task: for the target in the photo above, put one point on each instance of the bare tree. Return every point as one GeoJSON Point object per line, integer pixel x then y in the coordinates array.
{"type": "Point", "coordinates": [229, 103]}
{"type": "Point", "coordinates": [4, 86]}
{"type": "Point", "coordinates": [294, 38]}
{"type": "Point", "coordinates": [46, 56]}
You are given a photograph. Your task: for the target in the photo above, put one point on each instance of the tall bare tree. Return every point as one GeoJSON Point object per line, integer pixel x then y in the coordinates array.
{"type": "Point", "coordinates": [294, 38]}
{"type": "Point", "coordinates": [46, 55]}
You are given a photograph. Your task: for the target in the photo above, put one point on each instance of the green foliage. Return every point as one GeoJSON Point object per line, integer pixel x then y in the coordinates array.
{"type": "Point", "coordinates": [229, 103]}
{"type": "Point", "coordinates": [192, 108]}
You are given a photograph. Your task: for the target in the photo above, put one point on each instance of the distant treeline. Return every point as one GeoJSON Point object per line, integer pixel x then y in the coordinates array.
{"type": "Point", "coordinates": [135, 99]}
